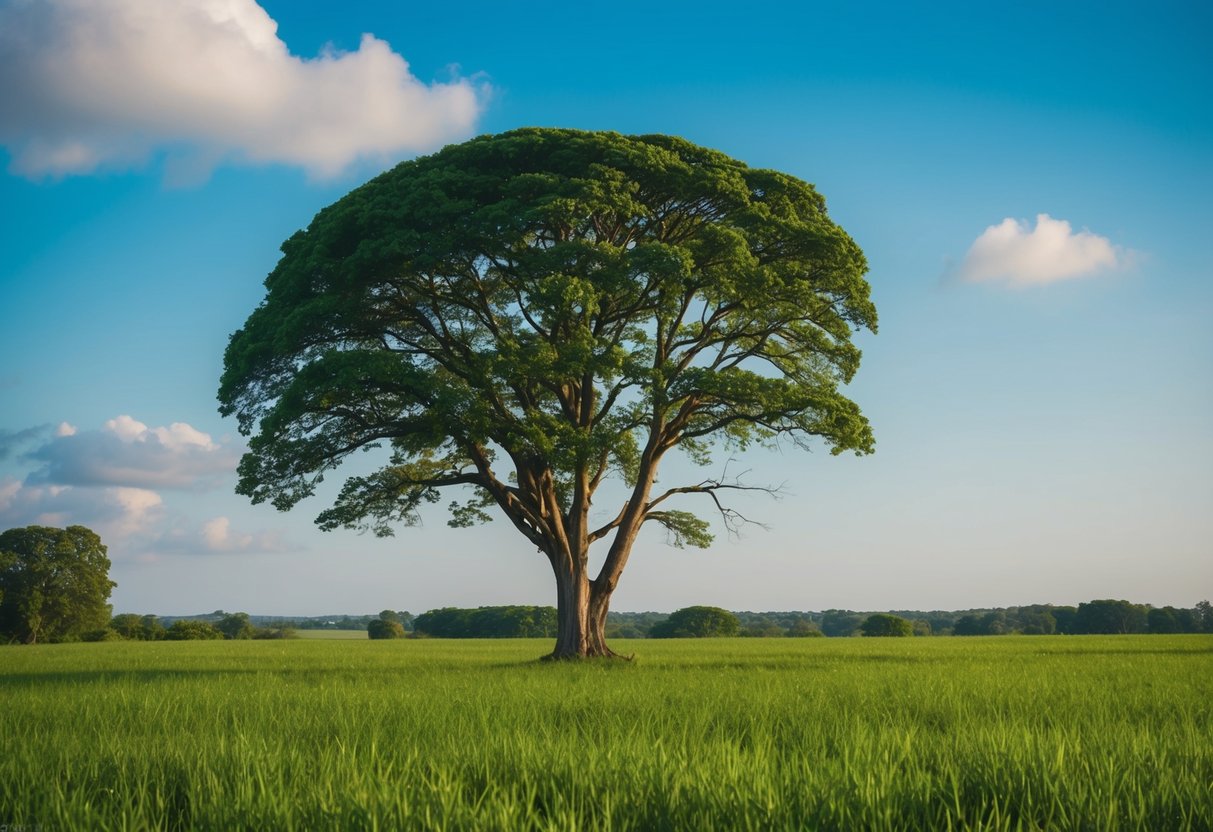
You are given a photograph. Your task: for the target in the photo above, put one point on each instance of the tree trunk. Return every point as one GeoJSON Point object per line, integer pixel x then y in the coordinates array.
{"type": "Point", "coordinates": [581, 612]}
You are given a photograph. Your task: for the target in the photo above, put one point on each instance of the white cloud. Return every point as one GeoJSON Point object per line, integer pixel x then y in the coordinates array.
{"type": "Point", "coordinates": [218, 536]}
{"type": "Point", "coordinates": [127, 453]}
{"type": "Point", "coordinates": [90, 84]}
{"type": "Point", "coordinates": [1012, 252]}
{"type": "Point", "coordinates": [115, 513]}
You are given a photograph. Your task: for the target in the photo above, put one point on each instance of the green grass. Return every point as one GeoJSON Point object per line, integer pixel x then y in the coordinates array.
{"type": "Point", "coordinates": [332, 635]}
{"type": "Point", "coordinates": [1001, 733]}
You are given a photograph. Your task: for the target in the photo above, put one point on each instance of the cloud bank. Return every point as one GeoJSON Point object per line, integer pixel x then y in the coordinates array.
{"type": "Point", "coordinates": [110, 480]}
{"type": "Point", "coordinates": [1011, 252]}
{"type": "Point", "coordinates": [117, 513]}
{"type": "Point", "coordinates": [93, 84]}
{"type": "Point", "coordinates": [128, 453]}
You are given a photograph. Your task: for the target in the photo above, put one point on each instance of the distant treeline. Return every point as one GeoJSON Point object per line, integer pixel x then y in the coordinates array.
{"type": "Point", "coordinates": [1095, 617]}
{"type": "Point", "coordinates": [1105, 616]}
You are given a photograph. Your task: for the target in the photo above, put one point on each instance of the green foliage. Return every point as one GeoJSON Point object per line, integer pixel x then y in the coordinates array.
{"type": "Point", "coordinates": [1110, 617]}
{"type": "Point", "coordinates": [1011, 733]}
{"type": "Point", "coordinates": [236, 625]}
{"type": "Point", "coordinates": [186, 629]}
{"type": "Point", "coordinates": [697, 622]}
{"type": "Point", "coordinates": [840, 623]}
{"type": "Point", "coordinates": [382, 628]}
{"type": "Point", "coordinates": [487, 622]}
{"type": "Point", "coordinates": [882, 624]}
{"type": "Point", "coordinates": [54, 583]}
{"type": "Point", "coordinates": [525, 315]}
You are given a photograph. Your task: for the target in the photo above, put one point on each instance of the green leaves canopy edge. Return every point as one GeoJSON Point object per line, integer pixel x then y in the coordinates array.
{"type": "Point", "coordinates": [581, 302]}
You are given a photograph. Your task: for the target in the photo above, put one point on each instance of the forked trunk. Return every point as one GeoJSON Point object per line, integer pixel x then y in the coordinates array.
{"type": "Point", "coordinates": [581, 613]}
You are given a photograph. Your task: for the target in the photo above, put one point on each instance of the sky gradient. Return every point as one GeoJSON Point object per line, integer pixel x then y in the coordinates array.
{"type": "Point", "coordinates": [1030, 185]}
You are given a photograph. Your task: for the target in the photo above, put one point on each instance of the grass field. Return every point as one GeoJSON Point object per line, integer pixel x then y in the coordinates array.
{"type": "Point", "coordinates": [332, 635]}
{"type": "Point", "coordinates": [949, 733]}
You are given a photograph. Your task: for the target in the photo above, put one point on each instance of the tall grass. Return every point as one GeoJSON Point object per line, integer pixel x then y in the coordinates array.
{"type": "Point", "coordinates": [1007, 733]}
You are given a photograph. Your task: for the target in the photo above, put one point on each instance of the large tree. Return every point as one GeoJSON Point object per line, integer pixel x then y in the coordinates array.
{"type": "Point", "coordinates": [54, 583]}
{"type": "Point", "coordinates": [524, 315]}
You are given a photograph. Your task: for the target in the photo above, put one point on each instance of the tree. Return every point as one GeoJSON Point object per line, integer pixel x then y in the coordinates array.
{"type": "Point", "coordinates": [526, 315]}
{"type": "Point", "coordinates": [128, 625]}
{"type": "Point", "coordinates": [188, 629]}
{"type": "Point", "coordinates": [697, 622]}
{"type": "Point", "coordinates": [1110, 617]}
{"type": "Point", "coordinates": [1203, 615]}
{"type": "Point", "coordinates": [236, 625]}
{"type": "Point", "coordinates": [837, 623]}
{"type": "Point", "coordinates": [883, 624]}
{"type": "Point", "coordinates": [380, 628]}
{"type": "Point", "coordinates": [54, 583]}
{"type": "Point", "coordinates": [1163, 620]}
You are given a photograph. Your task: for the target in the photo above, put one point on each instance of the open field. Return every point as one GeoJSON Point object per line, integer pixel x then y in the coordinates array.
{"type": "Point", "coordinates": [1000, 733]}
{"type": "Point", "coordinates": [332, 635]}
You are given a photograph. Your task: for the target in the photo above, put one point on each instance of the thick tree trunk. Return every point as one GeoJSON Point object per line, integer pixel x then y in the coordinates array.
{"type": "Point", "coordinates": [581, 612]}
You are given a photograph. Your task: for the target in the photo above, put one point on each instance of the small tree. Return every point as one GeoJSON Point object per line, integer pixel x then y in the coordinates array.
{"type": "Point", "coordinates": [236, 625]}
{"type": "Point", "coordinates": [697, 622]}
{"type": "Point", "coordinates": [128, 625]}
{"type": "Point", "coordinates": [382, 628]}
{"type": "Point", "coordinates": [54, 583]}
{"type": "Point", "coordinates": [883, 624]}
{"type": "Point", "coordinates": [193, 630]}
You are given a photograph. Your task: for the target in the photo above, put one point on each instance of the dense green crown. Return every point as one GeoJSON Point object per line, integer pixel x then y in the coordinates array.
{"type": "Point", "coordinates": [568, 298]}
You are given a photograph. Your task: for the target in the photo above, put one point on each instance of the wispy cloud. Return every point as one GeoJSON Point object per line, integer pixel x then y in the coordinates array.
{"type": "Point", "coordinates": [128, 453]}
{"type": "Point", "coordinates": [1013, 252]}
{"type": "Point", "coordinates": [12, 440]}
{"type": "Point", "coordinates": [104, 84]}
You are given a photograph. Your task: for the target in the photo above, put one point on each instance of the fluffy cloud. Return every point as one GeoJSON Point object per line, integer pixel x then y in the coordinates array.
{"type": "Point", "coordinates": [127, 453]}
{"type": "Point", "coordinates": [116, 513]}
{"type": "Point", "coordinates": [88, 84]}
{"type": "Point", "coordinates": [1014, 253]}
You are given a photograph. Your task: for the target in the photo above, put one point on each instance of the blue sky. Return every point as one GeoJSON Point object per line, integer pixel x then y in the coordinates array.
{"type": "Point", "coordinates": [1030, 184]}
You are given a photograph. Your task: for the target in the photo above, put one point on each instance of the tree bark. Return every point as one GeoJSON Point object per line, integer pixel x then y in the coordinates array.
{"type": "Point", "coordinates": [581, 612]}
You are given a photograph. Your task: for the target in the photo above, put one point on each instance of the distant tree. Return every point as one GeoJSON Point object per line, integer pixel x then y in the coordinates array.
{"type": "Point", "coordinates": [529, 315]}
{"type": "Point", "coordinates": [382, 628]}
{"type": "Point", "coordinates": [153, 630]}
{"type": "Point", "coordinates": [1035, 621]}
{"type": "Point", "coordinates": [1164, 620]}
{"type": "Point", "coordinates": [128, 625]}
{"type": "Point", "coordinates": [763, 629]}
{"type": "Point", "coordinates": [803, 629]}
{"type": "Point", "coordinates": [54, 583]}
{"type": "Point", "coordinates": [186, 629]}
{"type": "Point", "coordinates": [1110, 617]}
{"type": "Point", "coordinates": [518, 621]}
{"type": "Point", "coordinates": [883, 624]}
{"type": "Point", "coordinates": [236, 625]}
{"type": "Point", "coordinates": [968, 625]}
{"type": "Point", "coordinates": [1065, 616]}
{"type": "Point", "coordinates": [697, 622]}
{"type": "Point", "coordinates": [836, 623]}
{"type": "Point", "coordinates": [922, 627]}
{"type": "Point", "coordinates": [1203, 614]}
{"type": "Point", "coordinates": [390, 615]}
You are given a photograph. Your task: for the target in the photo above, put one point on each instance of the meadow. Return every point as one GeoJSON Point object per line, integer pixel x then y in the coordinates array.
{"type": "Point", "coordinates": [1012, 733]}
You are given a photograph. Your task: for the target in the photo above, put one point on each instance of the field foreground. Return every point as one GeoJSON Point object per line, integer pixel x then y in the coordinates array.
{"type": "Point", "coordinates": [1002, 733]}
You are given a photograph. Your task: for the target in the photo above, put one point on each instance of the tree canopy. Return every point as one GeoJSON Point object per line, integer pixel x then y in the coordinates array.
{"type": "Point", "coordinates": [528, 314]}
{"type": "Point", "coordinates": [697, 622]}
{"type": "Point", "coordinates": [54, 583]}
